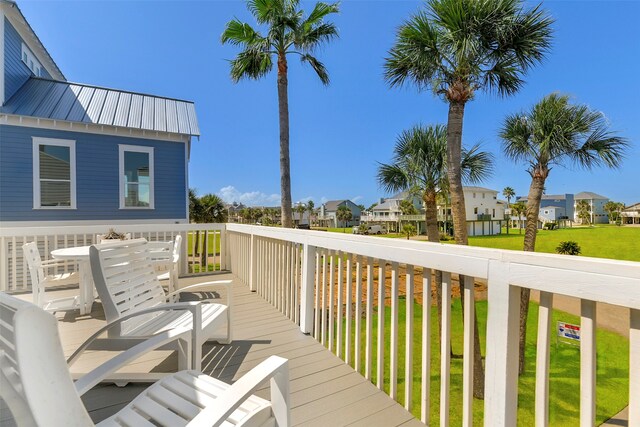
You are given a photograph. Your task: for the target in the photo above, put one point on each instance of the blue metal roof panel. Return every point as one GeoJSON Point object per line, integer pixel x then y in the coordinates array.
{"type": "Point", "coordinates": [109, 109]}
{"type": "Point", "coordinates": [122, 112]}
{"type": "Point", "coordinates": [59, 100]}
{"type": "Point", "coordinates": [160, 120]}
{"type": "Point", "coordinates": [147, 113]}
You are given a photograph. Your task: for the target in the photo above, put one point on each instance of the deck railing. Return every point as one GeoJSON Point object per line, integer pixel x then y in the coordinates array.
{"type": "Point", "coordinates": [202, 248]}
{"type": "Point", "coordinates": [334, 286]}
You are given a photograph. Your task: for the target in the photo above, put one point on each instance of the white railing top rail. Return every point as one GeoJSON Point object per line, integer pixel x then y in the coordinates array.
{"type": "Point", "coordinates": [610, 281]}
{"type": "Point", "coordinates": [98, 229]}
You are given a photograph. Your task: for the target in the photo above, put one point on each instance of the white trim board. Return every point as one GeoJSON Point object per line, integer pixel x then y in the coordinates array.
{"type": "Point", "coordinates": [101, 222]}
{"type": "Point", "coordinates": [2, 48]}
{"type": "Point", "coordinates": [40, 123]}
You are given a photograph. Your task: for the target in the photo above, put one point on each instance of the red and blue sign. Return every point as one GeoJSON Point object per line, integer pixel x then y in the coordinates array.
{"type": "Point", "coordinates": [569, 331]}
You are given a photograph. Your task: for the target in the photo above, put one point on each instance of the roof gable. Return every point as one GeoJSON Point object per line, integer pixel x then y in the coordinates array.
{"type": "Point", "coordinates": [588, 195]}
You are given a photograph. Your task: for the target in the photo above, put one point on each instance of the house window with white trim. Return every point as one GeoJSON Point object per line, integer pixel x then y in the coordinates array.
{"type": "Point", "coordinates": [54, 173]}
{"type": "Point", "coordinates": [136, 177]}
{"type": "Point", "coordinates": [30, 61]}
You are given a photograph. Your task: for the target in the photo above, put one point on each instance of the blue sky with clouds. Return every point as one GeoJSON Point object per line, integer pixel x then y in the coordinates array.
{"type": "Point", "coordinates": [340, 132]}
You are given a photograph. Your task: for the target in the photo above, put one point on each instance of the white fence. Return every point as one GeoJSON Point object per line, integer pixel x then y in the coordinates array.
{"type": "Point", "coordinates": [334, 285]}
{"type": "Point", "coordinates": [202, 248]}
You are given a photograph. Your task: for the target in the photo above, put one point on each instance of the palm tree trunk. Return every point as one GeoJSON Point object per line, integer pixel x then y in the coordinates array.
{"type": "Point", "coordinates": [285, 169]}
{"type": "Point", "coordinates": [433, 235]}
{"type": "Point", "coordinates": [531, 231]}
{"type": "Point", "coordinates": [454, 148]}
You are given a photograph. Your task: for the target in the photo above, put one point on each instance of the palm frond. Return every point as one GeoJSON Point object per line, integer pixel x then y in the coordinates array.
{"type": "Point", "coordinates": [266, 11]}
{"type": "Point", "coordinates": [317, 66]}
{"type": "Point", "coordinates": [319, 12]}
{"type": "Point", "coordinates": [392, 178]}
{"type": "Point", "coordinates": [251, 63]}
{"type": "Point", "coordinates": [476, 165]}
{"type": "Point", "coordinates": [308, 38]}
{"type": "Point", "coordinates": [240, 33]}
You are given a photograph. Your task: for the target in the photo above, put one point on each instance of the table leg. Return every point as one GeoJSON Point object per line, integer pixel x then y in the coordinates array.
{"type": "Point", "coordinates": [86, 287]}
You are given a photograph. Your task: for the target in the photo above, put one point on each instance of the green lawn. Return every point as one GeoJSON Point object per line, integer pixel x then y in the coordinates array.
{"type": "Point", "coordinates": [604, 241]}
{"type": "Point", "coordinates": [612, 370]}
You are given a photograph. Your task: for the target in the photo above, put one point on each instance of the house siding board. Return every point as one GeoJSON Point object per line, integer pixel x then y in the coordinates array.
{"type": "Point", "coordinates": [16, 72]}
{"type": "Point", "coordinates": [97, 183]}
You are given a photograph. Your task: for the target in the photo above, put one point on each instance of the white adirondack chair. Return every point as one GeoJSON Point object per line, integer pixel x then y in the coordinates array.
{"type": "Point", "coordinates": [39, 391]}
{"type": "Point", "coordinates": [40, 280]}
{"type": "Point", "coordinates": [136, 307]}
{"type": "Point", "coordinates": [166, 257]}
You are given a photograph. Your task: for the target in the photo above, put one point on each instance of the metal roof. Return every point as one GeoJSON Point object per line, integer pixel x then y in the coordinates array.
{"type": "Point", "coordinates": [588, 195]}
{"type": "Point", "coordinates": [77, 102]}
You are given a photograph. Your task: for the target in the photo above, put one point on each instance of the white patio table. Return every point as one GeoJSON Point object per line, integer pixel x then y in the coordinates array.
{"type": "Point", "coordinates": [81, 255]}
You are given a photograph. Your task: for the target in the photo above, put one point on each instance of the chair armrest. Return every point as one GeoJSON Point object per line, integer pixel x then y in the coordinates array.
{"type": "Point", "coordinates": [274, 368]}
{"type": "Point", "coordinates": [200, 286]}
{"type": "Point", "coordinates": [56, 263]}
{"type": "Point", "coordinates": [88, 381]}
{"type": "Point", "coordinates": [190, 305]}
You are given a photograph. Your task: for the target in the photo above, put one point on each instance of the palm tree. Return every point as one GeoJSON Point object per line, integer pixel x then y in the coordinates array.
{"type": "Point", "coordinates": [344, 214]}
{"type": "Point", "coordinates": [420, 167]}
{"type": "Point", "coordinates": [583, 209]}
{"type": "Point", "coordinates": [459, 47]}
{"type": "Point", "coordinates": [213, 210]}
{"type": "Point", "coordinates": [508, 193]}
{"type": "Point", "coordinates": [555, 132]}
{"type": "Point", "coordinates": [288, 32]}
{"type": "Point", "coordinates": [311, 209]}
{"type": "Point", "coordinates": [519, 209]}
{"type": "Point", "coordinates": [300, 210]}
{"type": "Point", "coordinates": [611, 208]}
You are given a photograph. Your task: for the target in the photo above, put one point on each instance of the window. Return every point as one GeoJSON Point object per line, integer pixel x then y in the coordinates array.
{"type": "Point", "coordinates": [474, 195]}
{"type": "Point", "coordinates": [546, 212]}
{"type": "Point", "coordinates": [494, 213]}
{"type": "Point", "coordinates": [54, 173]}
{"type": "Point", "coordinates": [475, 210]}
{"type": "Point", "coordinates": [136, 177]}
{"type": "Point", "coordinates": [30, 61]}
{"type": "Point", "coordinates": [483, 195]}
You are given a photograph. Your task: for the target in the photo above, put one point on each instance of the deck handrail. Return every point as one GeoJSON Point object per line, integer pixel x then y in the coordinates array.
{"type": "Point", "coordinates": [302, 272]}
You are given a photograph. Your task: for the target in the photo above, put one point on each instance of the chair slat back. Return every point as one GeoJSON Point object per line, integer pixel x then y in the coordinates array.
{"type": "Point", "coordinates": [125, 277]}
{"type": "Point", "coordinates": [34, 262]}
{"type": "Point", "coordinates": [177, 246]}
{"type": "Point", "coordinates": [36, 384]}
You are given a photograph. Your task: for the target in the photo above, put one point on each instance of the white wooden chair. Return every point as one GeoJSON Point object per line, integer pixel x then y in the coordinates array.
{"type": "Point", "coordinates": [166, 258]}
{"type": "Point", "coordinates": [136, 306]}
{"type": "Point", "coordinates": [39, 391]}
{"type": "Point", "coordinates": [40, 280]}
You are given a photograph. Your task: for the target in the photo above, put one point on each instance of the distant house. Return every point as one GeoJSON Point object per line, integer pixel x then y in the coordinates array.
{"type": "Point", "coordinates": [485, 213]}
{"type": "Point", "coordinates": [596, 207]}
{"type": "Point", "coordinates": [327, 215]}
{"type": "Point", "coordinates": [553, 208]}
{"type": "Point", "coordinates": [631, 214]}
{"type": "Point", "coordinates": [80, 153]}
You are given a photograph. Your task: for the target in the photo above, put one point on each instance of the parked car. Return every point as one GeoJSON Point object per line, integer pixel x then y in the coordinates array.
{"type": "Point", "coordinates": [303, 227]}
{"type": "Point", "coordinates": [375, 229]}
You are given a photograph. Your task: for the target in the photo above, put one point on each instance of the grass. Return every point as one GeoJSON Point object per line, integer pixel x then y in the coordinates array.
{"type": "Point", "coordinates": [210, 242]}
{"type": "Point", "coordinates": [612, 370]}
{"type": "Point", "coordinates": [602, 241]}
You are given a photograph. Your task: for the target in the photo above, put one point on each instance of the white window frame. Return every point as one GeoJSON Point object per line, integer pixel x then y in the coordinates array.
{"type": "Point", "coordinates": [37, 142]}
{"type": "Point", "coordinates": [138, 149]}
{"type": "Point", "coordinates": [36, 67]}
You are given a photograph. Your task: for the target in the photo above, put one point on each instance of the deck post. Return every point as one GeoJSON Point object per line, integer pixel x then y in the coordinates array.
{"type": "Point", "coordinates": [501, 380]}
{"type": "Point", "coordinates": [253, 268]}
{"type": "Point", "coordinates": [307, 288]}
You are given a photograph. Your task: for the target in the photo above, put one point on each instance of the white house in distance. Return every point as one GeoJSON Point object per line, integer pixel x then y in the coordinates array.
{"type": "Point", "coordinates": [485, 212]}
{"type": "Point", "coordinates": [631, 214]}
{"type": "Point", "coordinates": [553, 208]}
{"type": "Point", "coordinates": [596, 204]}
{"type": "Point", "coordinates": [327, 215]}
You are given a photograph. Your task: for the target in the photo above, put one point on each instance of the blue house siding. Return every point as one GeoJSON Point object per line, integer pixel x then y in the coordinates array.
{"type": "Point", "coordinates": [97, 180]}
{"type": "Point", "coordinates": [16, 72]}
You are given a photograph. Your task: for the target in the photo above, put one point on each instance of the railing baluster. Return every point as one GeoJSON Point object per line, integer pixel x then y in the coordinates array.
{"type": "Point", "coordinates": [381, 297]}
{"type": "Point", "coordinates": [323, 326]}
{"type": "Point", "coordinates": [318, 290]}
{"type": "Point", "coordinates": [542, 359]}
{"type": "Point", "coordinates": [634, 368]}
{"type": "Point", "coordinates": [587, 363]}
{"type": "Point", "coordinates": [358, 315]}
{"type": "Point", "coordinates": [349, 315]}
{"type": "Point", "coordinates": [331, 298]}
{"type": "Point", "coordinates": [369, 316]}
{"type": "Point", "coordinates": [408, 358]}
{"type": "Point", "coordinates": [445, 356]}
{"type": "Point", "coordinates": [393, 353]}
{"type": "Point", "coordinates": [340, 344]}
{"type": "Point", "coordinates": [468, 349]}
{"type": "Point", "coordinates": [426, 345]}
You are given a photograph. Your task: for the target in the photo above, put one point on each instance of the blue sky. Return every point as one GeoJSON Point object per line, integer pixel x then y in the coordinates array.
{"type": "Point", "coordinates": [340, 132]}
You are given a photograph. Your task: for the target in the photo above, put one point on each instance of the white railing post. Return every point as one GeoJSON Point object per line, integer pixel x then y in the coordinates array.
{"type": "Point", "coordinates": [253, 267]}
{"type": "Point", "coordinates": [308, 285]}
{"type": "Point", "coordinates": [634, 368]}
{"type": "Point", "coordinates": [224, 248]}
{"type": "Point", "coordinates": [501, 380]}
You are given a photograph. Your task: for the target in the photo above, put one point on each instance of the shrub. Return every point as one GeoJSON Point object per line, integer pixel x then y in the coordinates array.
{"type": "Point", "coordinates": [568, 248]}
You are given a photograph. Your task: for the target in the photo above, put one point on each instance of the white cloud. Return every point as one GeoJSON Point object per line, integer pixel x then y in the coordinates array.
{"type": "Point", "coordinates": [252, 198]}
{"type": "Point", "coordinates": [323, 200]}
{"type": "Point", "coordinates": [355, 199]}
{"type": "Point", "coordinates": [305, 199]}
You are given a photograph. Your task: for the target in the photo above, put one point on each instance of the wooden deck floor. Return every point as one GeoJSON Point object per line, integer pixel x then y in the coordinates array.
{"type": "Point", "coordinates": [324, 390]}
